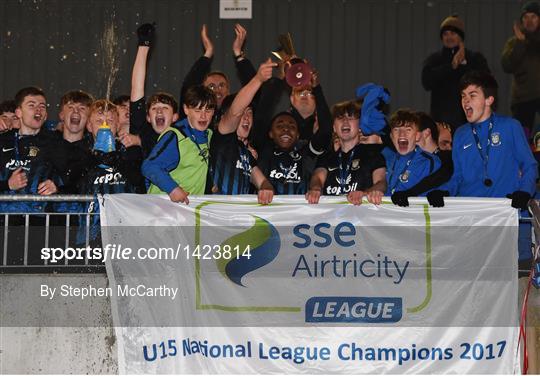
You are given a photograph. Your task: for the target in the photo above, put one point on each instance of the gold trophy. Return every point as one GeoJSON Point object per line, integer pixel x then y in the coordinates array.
{"type": "Point", "coordinates": [297, 70]}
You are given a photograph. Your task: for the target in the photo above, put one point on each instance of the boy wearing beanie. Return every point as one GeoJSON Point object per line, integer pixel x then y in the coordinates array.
{"type": "Point", "coordinates": [443, 69]}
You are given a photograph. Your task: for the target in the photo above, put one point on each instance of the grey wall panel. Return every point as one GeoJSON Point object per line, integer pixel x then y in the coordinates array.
{"type": "Point", "coordinates": [56, 43]}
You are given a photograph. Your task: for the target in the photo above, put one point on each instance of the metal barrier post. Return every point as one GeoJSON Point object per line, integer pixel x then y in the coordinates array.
{"type": "Point", "coordinates": [29, 239]}
{"type": "Point", "coordinates": [6, 225]}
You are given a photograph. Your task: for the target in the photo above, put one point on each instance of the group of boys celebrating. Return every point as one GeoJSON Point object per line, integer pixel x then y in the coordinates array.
{"type": "Point", "coordinates": [35, 160]}
{"type": "Point", "coordinates": [214, 142]}
{"type": "Point", "coordinates": [218, 143]}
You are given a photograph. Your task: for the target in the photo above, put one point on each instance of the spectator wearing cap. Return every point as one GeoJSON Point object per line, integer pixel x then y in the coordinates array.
{"type": "Point", "coordinates": [443, 69]}
{"type": "Point", "coordinates": [521, 58]}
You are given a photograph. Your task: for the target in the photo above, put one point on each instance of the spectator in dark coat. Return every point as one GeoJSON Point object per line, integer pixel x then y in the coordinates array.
{"type": "Point", "coordinates": [521, 57]}
{"type": "Point", "coordinates": [443, 69]}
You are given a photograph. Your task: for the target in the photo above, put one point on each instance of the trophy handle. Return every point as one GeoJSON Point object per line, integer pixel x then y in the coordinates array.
{"type": "Point", "coordinates": [297, 71]}
{"type": "Point", "coordinates": [285, 51]}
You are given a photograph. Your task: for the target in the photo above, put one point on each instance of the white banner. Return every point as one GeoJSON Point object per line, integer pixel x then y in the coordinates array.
{"type": "Point", "coordinates": [227, 286]}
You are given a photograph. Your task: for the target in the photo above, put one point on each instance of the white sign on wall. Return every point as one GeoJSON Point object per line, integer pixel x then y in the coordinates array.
{"type": "Point", "coordinates": [235, 9]}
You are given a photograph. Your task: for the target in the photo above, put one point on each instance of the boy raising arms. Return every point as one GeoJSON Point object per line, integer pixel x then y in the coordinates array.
{"type": "Point", "coordinates": [232, 164]}
{"type": "Point", "coordinates": [178, 164]}
{"type": "Point", "coordinates": [148, 119]}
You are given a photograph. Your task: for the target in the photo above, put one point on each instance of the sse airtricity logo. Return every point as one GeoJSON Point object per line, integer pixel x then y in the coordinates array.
{"type": "Point", "coordinates": [263, 241]}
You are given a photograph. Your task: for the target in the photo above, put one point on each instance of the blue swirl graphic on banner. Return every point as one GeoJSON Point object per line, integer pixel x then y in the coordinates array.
{"type": "Point", "coordinates": [264, 243]}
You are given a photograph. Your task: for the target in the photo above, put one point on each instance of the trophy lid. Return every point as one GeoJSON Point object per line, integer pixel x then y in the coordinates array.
{"type": "Point", "coordinates": [298, 74]}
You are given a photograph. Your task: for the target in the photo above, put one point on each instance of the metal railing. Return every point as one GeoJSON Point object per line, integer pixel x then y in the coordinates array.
{"type": "Point", "coordinates": [19, 256]}
{"type": "Point", "coordinates": [534, 207]}
{"type": "Point", "coordinates": [24, 233]}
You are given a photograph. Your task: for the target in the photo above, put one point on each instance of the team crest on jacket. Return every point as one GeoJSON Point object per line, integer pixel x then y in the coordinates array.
{"type": "Point", "coordinates": [33, 151]}
{"type": "Point", "coordinates": [404, 178]}
{"type": "Point", "coordinates": [496, 139]}
{"type": "Point", "coordinates": [355, 165]}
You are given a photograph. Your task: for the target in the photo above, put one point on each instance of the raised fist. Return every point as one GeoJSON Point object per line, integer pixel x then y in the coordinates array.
{"type": "Point", "coordinates": [145, 33]}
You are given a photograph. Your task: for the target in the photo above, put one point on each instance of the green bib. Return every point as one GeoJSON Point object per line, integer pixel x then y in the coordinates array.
{"type": "Point", "coordinates": [191, 172]}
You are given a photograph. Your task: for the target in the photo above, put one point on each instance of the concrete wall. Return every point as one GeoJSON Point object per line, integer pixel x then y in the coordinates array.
{"type": "Point", "coordinates": [46, 344]}
{"type": "Point", "coordinates": [55, 336]}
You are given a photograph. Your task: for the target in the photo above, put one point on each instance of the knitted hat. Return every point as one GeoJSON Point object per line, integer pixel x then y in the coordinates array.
{"type": "Point", "coordinates": [455, 24]}
{"type": "Point", "coordinates": [530, 7]}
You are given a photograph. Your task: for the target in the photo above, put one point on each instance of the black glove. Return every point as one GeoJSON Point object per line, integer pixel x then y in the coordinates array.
{"type": "Point", "coordinates": [520, 199]}
{"type": "Point", "coordinates": [145, 33]}
{"type": "Point", "coordinates": [400, 198]}
{"type": "Point", "coordinates": [436, 198]}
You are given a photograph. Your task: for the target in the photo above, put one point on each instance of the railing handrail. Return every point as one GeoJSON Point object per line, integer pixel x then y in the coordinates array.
{"type": "Point", "coordinates": [52, 198]}
{"type": "Point", "coordinates": [534, 207]}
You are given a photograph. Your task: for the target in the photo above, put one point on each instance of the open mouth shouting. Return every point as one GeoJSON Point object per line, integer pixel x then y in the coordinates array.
{"type": "Point", "coordinates": [75, 119]}
{"type": "Point", "coordinates": [285, 141]}
{"type": "Point", "coordinates": [403, 145]}
{"type": "Point", "coordinates": [468, 111]}
{"type": "Point", "coordinates": [160, 121]}
{"type": "Point", "coordinates": [346, 129]}
{"type": "Point", "coordinates": [245, 126]}
{"type": "Point", "coordinates": [285, 138]}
